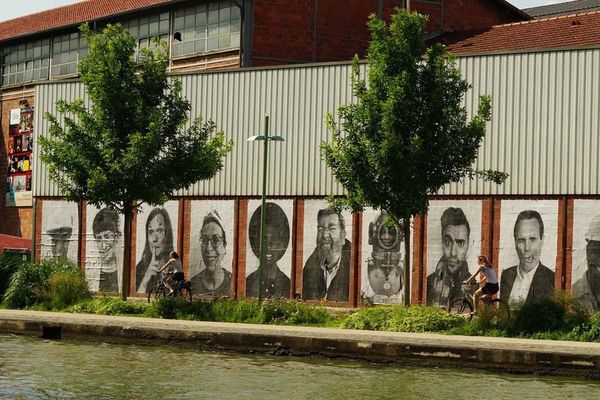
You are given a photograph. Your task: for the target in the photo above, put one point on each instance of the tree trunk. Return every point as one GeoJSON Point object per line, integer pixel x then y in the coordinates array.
{"type": "Point", "coordinates": [125, 278]}
{"type": "Point", "coordinates": [406, 267]}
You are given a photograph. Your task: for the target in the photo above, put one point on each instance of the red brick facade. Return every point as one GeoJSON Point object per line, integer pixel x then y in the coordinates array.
{"type": "Point", "coordinates": [14, 221]}
{"type": "Point", "coordinates": [294, 31]}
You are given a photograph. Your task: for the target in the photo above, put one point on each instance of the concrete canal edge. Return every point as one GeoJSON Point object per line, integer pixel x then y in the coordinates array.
{"type": "Point", "coordinates": [507, 354]}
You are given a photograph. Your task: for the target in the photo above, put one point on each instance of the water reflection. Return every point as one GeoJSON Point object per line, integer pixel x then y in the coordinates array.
{"type": "Point", "coordinates": [32, 368]}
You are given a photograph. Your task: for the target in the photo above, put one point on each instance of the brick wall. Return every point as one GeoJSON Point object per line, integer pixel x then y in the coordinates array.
{"type": "Point", "coordinates": [15, 221]}
{"type": "Point", "coordinates": [284, 30]}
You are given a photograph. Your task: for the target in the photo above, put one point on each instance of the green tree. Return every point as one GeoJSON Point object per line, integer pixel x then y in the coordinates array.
{"type": "Point", "coordinates": [132, 145]}
{"type": "Point", "coordinates": [408, 133]}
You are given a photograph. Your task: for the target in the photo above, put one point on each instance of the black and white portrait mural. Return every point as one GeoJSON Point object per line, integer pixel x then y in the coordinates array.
{"type": "Point", "coordinates": [382, 260]}
{"type": "Point", "coordinates": [156, 232]}
{"type": "Point", "coordinates": [453, 244]}
{"type": "Point", "coordinates": [104, 249]}
{"type": "Point", "coordinates": [60, 230]}
{"type": "Point", "coordinates": [277, 248]}
{"type": "Point", "coordinates": [211, 246]}
{"type": "Point", "coordinates": [585, 273]}
{"type": "Point", "coordinates": [527, 257]}
{"type": "Point", "coordinates": [326, 250]}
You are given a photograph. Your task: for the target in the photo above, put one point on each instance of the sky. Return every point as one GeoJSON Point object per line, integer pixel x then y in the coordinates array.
{"type": "Point", "coordinates": [14, 8]}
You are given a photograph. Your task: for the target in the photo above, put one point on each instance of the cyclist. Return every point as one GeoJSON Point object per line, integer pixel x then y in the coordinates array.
{"type": "Point", "coordinates": [175, 271]}
{"type": "Point", "coordinates": [488, 275]}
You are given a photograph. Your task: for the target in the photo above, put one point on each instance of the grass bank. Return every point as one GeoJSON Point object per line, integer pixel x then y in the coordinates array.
{"type": "Point", "coordinates": [59, 285]}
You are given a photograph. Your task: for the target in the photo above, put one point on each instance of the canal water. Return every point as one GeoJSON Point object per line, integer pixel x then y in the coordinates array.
{"type": "Point", "coordinates": [33, 368]}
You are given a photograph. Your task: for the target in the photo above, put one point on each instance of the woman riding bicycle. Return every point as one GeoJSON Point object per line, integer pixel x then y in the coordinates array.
{"type": "Point", "coordinates": [489, 276]}
{"type": "Point", "coordinates": [175, 271]}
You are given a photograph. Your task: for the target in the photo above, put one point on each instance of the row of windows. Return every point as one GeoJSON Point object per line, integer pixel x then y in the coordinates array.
{"type": "Point", "coordinates": [213, 26]}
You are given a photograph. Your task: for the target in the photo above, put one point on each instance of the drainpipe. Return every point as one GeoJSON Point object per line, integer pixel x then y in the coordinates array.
{"type": "Point", "coordinates": [246, 12]}
{"type": "Point", "coordinates": [314, 33]}
{"type": "Point", "coordinates": [379, 8]}
{"type": "Point", "coordinates": [407, 5]}
{"type": "Point", "coordinates": [442, 17]}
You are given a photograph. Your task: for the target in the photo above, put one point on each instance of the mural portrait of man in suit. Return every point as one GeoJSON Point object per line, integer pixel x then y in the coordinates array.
{"type": "Point", "coordinates": [530, 279]}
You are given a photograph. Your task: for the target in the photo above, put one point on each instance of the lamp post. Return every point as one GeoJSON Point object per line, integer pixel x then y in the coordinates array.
{"type": "Point", "coordinates": [263, 214]}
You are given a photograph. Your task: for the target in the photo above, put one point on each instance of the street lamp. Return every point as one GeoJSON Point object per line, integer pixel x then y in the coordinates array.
{"type": "Point", "coordinates": [265, 138]}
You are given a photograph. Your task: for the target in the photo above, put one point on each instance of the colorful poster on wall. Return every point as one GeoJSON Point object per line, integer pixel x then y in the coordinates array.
{"type": "Point", "coordinates": [382, 259]}
{"type": "Point", "coordinates": [212, 231]}
{"type": "Point", "coordinates": [527, 256]}
{"type": "Point", "coordinates": [453, 244]}
{"type": "Point", "coordinates": [104, 249]}
{"type": "Point", "coordinates": [327, 250]}
{"type": "Point", "coordinates": [156, 233]}
{"type": "Point", "coordinates": [60, 230]}
{"type": "Point", "coordinates": [585, 272]}
{"type": "Point", "coordinates": [19, 157]}
{"type": "Point", "coordinates": [277, 248]}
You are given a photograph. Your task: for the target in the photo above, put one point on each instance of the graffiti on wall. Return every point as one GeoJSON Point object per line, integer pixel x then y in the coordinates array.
{"type": "Point", "coordinates": [211, 246]}
{"type": "Point", "coordinates": [327, 250]}
{"type": "Point", "coordinates": [585, 273]}
{"type": "Point", "coordinates": [104, 249]}
{"type": "Point", "coordinates": [453, 244]}
{"type": "Point", "coordinates": [156, 233]}
{"type": "Point", "coordinates": [277, 248]}
{"type": "Point", "coordinates": [60, 230]}
{"type": "Point", "coordinates": [382, 253]}
{"type": "Point", "coordinates": [527, 256]}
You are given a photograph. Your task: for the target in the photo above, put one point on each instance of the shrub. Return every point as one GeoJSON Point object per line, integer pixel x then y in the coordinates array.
{"type": "Point", "coordinates": [555, 316]}
{"type": "Point", "coordinates": [29, 284]}
{"type": "Point", "coordinates": [65, 289]}
{"type": "Point", "coordinates": [110, 306]}
{"type": "Point", "coordinates": [279, 312]}
{"type": "Point", "coordinates": [8, 266]}
{"type": "Point", "coordinates": [237, 311]}
{"type": "Point", "coordinates": [588, 331]}
{"type": "Point", "coordinates": [403, 319]}
{"type": "Point", "coordinates": [282, 312]}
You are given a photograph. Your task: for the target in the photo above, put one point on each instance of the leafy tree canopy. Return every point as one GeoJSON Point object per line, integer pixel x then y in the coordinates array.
{"type": "Point", "coordinates": [133, 142]}
{"type": "Point", "coordinates": [408, 134]}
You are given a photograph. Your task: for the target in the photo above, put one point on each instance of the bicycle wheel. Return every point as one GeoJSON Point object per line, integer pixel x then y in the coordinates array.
{"type": "Point", "coordinates": [461, 307]}
{"type": "Point", "coordinates": [185, 293]}
{"type": "Point", "coordinates": [501, 311]}
{"type": "Point", "coordinates": [157, 293]}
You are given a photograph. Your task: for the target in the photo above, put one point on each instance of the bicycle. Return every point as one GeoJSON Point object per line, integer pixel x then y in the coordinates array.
{"type": "Point", "coordinates": [181, 288]}
{"type": "Point", "coordinates": [464, 305]}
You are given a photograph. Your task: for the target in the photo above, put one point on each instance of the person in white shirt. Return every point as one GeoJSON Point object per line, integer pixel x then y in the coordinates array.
{"type": "Point", "coordinates": [488, 275]}
{"type": "Point", "coordinates": [530, 280]}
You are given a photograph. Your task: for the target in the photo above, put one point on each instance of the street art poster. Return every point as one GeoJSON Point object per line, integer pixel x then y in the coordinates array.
{"type": "Point", "coordinates": [585, 272]}
{"type": "Point", "coordinates": [104, 249]}
{"type": "Point", "coordinates": [156, 232]}
{"type": "Point", "coordinates": [453, 245]}
{"type": "Point", "coordinates": [19, 147]}
{"type": "Point", "coordinates": [60, 230]}
{"type": "Point", "coordinates": [212, 232]}
{"type": "Point", "coordinates": [326, 249]}
{"type": "Point", "coordinates": [527, 249]}
{"type": "Point", "coordinates": [382, 259]}
{"type": "Point", "coordinates": [278, 248]}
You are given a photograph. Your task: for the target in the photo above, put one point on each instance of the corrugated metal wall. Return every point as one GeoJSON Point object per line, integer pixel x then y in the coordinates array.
{"type": "Point", "coordinates": [544, 131]}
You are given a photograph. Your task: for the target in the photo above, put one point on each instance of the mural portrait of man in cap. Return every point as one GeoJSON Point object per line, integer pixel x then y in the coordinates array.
{"type": "Point", "coordinates": [59, 230]}
{"type": "Point", "coordinates": [587, 288]}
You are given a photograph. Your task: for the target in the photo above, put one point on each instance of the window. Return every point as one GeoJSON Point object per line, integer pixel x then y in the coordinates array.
{"type": "Point", "coordinates": [210, 27]}
{"type": "Point", "coordinates": [67, 50]}
{"type": "Point", "coordinates": [145, 28]}
{"type": "Point", "coordinates": [26, 62]}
